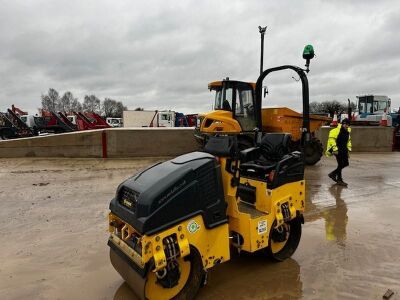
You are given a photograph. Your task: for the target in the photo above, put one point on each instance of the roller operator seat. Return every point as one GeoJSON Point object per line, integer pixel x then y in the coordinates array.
{"type": "Point", "coordinates": [273, 147]}
{"type": "Point", "coordinates": [273, 154]}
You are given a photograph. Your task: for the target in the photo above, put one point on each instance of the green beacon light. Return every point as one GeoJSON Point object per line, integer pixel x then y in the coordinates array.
{"type": "Point", "coordinates": [308, 54]}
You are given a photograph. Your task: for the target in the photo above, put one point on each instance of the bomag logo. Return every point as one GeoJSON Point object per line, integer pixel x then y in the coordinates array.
{"type": "Point", "coordinates": [127, 203]}
{"type": "Point", "coordinates": [171, 192]}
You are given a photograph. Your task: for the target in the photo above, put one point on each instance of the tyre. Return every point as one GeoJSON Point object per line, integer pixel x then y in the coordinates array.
{"type": "Point", "coordinates": [35, 131]}
{"type": "Point", "coordinates": [189, 276]}
{"type": "Point", "coordinates": [312, 151]}
{"type": "Point", "coordinates": [283, 241]}
{"type": "Point", "coordinates": [7, 134]}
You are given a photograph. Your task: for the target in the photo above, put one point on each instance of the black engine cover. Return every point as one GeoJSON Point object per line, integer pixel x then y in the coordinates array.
{"type": "Point", "coordinates": [170, 192]}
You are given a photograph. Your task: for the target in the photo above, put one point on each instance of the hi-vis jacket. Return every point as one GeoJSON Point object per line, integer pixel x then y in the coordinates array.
{"type": "Point", "coordinates": [333, 134]}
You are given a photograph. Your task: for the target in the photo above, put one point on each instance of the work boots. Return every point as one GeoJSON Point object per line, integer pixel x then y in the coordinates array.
{"type": "Point", "coordinates": [332, 176]}
{"type": "Point", "coordinates": [341, 182]}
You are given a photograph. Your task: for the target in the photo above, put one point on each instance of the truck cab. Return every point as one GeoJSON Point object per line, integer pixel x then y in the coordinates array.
{"type": "Point", "coordinates": [72, 119]}
{"type": "Point", "coordinates": [33, 122]}
{"type": "Point", "coordinates": [373, 104]}
{"type": "Point", "coordinates": [166, 119]}
{"type": "Point", "coordinates": [114, 122]}
{"type": "Point", "coordinates": [28, 120]}
{"type": "Point", "coordinates": [370, 108]}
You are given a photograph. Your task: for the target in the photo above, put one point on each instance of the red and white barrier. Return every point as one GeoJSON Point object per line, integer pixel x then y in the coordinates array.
{"type": "Point", "coordinates": [384, 120]}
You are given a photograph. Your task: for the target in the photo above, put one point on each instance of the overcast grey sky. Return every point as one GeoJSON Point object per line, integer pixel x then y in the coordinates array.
{"type": "Point", "coordinates": [162, 54]}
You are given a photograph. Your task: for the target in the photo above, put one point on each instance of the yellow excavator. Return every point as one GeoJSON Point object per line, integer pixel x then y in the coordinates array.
{"type": "Point", "coordinates": [172, 223]}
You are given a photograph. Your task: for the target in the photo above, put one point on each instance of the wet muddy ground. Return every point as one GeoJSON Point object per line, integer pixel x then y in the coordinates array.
{"type": "Point", "coordinates": [53, 234]}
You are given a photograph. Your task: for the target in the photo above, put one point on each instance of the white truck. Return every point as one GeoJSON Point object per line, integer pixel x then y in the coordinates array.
{"type": "Point", "coordinates": [370, 108]}
{"type": "Point", "coordinates": [114, 122]}
{"type": "Point", "coordinates": [72, 119]}
{"type": "Point", "coordinates": [148, 118]}
{"type": "Point", "coordinates": [30, 120]}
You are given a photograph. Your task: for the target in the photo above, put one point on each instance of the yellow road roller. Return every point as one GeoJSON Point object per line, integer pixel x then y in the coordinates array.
{"type": "Point", "coordinates": [173, 222]}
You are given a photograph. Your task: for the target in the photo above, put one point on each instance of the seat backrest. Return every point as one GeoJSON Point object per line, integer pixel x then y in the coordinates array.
{"type": "Point", "coordinates": [222, 146]}
{"type": "Point", "coordinates": [275, 145]}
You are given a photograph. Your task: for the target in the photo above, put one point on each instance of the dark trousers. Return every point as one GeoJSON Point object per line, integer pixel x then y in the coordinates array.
{"type": "Point", "coordinates": [342, 162]}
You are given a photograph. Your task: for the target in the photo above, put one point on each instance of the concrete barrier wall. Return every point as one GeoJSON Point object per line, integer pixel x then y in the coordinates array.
{"type": "Point", "coordinates": [364, 138]}
{"type": "Point", "coordinates": [113, 143]}
{"type": "Point", "coordinates": [147, 142]}
{"type": "Point", "coordinates": [74, 144]}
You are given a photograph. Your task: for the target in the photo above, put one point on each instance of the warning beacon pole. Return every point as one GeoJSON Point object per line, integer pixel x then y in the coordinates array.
{"type": "Point", "coordinates": [262, 31]}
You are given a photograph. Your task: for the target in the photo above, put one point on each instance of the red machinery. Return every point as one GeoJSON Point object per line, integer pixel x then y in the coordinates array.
{"type": "Point", "coordinates": [84, 123]}
{"type": "Point", "coordinates": [64, 118]}
{"type": "Point", "coordinates": [99, 121]}
{"type": "Point", "coordinates": [10, 130]}
{"type": "Point", "coordinates": [18, 111]}
{"type": "Point", "coordinates": [51, 122]}
{"type": "Point", "coordinates": [57, 124]}
{"type": "Point", "coordinates": [191, 120]}
{"type": "Point", "coordinates": [11, 126]}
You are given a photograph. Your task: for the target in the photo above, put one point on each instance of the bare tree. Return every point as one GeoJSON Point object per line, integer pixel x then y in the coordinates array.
{"type": "Point", "coordinates": [76, 106]}
{"type": "Point", "coordinates": [113, 108]}
{"type": "Point", "coordinates": [109, 107]}
{"type": "Point", "coordinates": [66, 101]}
{"type": "Point", "coordinates": [330, 107]}
{"type": "Point", "coordinates": [316, 107]}
{"type": "Point", "coordinates": [91, 104]}
{"type": "Point", "coordinates": [120, 109]}
{"type": "Point", "coordinates": [50, 101]}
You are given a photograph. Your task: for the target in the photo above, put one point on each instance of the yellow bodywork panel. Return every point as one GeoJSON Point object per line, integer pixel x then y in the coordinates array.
{"type": "Point", "coordinates": [250, 224]}
{"type": "Point", "coordinates": [254, 221]}
{"type": "Point", "coordinates": [276, 119]}
{"type": "Point", "coordinates": [283, 119]}
{"type": "Point", "coordinates": [212, 244]}
{"type": "Point", "coordinates": [269, 200]}
{"type": "Point", "coordinates": [219, 121]}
